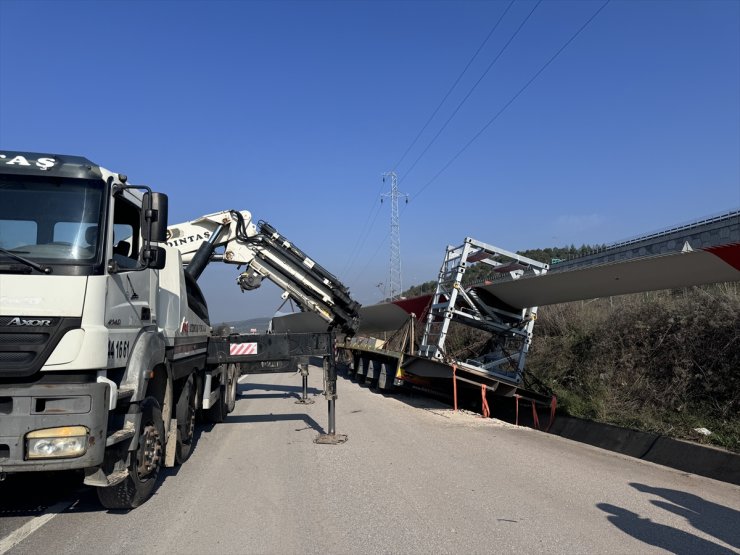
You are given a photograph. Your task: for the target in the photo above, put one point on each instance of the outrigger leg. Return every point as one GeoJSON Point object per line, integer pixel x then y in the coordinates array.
{"type": "Point", "coordinates": [330, 378]}
{"type": "Point", "coordinates": [304, 400]}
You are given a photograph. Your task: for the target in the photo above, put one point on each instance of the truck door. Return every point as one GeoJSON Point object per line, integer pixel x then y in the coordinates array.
{"type": "Point", "coordinates": [130, 302]}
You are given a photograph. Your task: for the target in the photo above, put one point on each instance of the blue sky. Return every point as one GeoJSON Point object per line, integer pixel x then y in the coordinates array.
{"type": "Point", "coordinates": [293, 110]}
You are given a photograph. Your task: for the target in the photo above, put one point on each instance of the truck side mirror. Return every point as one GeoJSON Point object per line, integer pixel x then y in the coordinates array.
{"type": "Point", "coordinates": [154, 227]}
{"type": "Point", "coordinates": [154, 257]}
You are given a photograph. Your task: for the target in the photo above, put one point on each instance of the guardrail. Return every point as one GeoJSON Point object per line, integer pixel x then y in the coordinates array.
{"type": "Point", "coordinates": [723, 216]}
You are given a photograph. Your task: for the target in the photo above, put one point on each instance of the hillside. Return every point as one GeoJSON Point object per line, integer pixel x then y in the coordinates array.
{"type": "Point", "coordinates": [662, 361]}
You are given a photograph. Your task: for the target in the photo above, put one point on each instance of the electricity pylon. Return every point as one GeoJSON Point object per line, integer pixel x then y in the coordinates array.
{"type": "Point", "coordinates": [395, 285]}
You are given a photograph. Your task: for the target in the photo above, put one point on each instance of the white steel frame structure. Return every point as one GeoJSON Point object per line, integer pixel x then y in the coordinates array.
{"type": "Point", "coordinates": [510, 329]}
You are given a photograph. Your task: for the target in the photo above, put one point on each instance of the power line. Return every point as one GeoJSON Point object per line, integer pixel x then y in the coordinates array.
{"type": "Point", "coordinates": [511, 101]}
{"type": "Point", "coordinates": [375, 253]}
{"type": "Point", "coordinates": [465, 69]}
{"type": "Point", "coordinates": [371, 257]}
{"type": "Point", "coordinates": [475, 85]}
{"type": "Point", "coordinates": [365, 230]}
{"type": "Point", "coordinates": [364, 234]}
{"type": "Point", "coordinates": [492, 120]}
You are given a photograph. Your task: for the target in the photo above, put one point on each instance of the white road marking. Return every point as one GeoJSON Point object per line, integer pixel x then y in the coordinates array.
{"type": "Point", "coordinates": [17, 536]}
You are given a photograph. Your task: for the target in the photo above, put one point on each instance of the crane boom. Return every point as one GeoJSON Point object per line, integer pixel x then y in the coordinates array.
{"type": "Point", "coordinates": [265, 253]}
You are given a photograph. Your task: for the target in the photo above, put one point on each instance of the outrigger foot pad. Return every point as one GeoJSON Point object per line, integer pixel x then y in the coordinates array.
{"type": "Point", "coordinates": [330, 439]}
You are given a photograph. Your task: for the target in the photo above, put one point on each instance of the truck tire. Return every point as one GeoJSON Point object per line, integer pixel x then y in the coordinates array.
{"type": "Point", "coordinates": [352, 367]}
{"type": "Point", "coordinates": [227, 398]}
{"type": "Point", "coordinates": [185, 414]}
{"type": "Point", "coordinates": [362, 368]}
{"type": "Point", "coordinates": [231, 386]}
{"type": "Point", "coordinates": [385, 377]}
{"type": "Point", "coordinates": [217, 413]}
{"type": "Point", "coordinates": [145, 463]}
{"type": "Point", "coordinates": [373, 371]}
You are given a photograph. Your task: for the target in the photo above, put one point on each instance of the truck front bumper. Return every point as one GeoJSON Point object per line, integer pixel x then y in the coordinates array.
{"type": "Point", "coordinates": [25, 408]}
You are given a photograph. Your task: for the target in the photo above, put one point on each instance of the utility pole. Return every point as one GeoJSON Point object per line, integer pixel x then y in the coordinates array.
{"type": "Point", "coordinates": [395, 285]}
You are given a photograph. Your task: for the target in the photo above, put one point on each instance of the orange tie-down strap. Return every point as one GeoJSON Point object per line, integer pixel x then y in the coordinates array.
{"type": "Point", "coordinates": [454, 385]}
{"type": "Point", "coordinates": [553, 408]}
{"type": "Point", "coordinates": [486, 412]}
{"type": "Point", "coordinates": [535, 417]}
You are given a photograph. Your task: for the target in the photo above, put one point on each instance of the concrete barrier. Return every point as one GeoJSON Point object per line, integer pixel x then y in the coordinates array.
{"type": "Point", "coordinates": [682, 455]}
{"type": "Point", "coordinates": [697, 459]}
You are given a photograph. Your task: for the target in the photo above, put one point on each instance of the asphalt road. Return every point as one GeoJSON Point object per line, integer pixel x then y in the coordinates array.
{"type": "Point", "coordinates": [413, 478]}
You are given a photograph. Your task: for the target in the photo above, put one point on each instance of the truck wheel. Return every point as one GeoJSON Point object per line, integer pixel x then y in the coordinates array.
{"type": "Point", "coordinates": [227, 398]}
{"type": "Point", "coordinates": [362, 368]}
{"type": "Point", "coordinates": [231, 385]}
{"type": "Point", "coordinates": [373, 371]}
{"type": "Point", "coordinates": [185, 414]}
{"type": "Point", "coordinates": [145, 463]}
{"type": "Point", "coordinates": [217, 413]}
{"type": "Point", "coordinates": [385, 377]}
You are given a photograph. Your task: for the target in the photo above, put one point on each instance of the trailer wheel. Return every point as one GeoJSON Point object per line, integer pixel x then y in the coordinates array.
{"type": "Point", "coordinates": [385, 377]}
{"type": "Point", "coordinates": [354, 366]}
{"type": "Point", "coordinates": [362, 368]}
{"type": "Point", "coordinates": [185, 414]}
{"type": "Point", "coordinates": [218, 412]}
{"type": "Point", "coordinates": [231, 385]}
{"type": "Point", "coordinates": [373, 371]}
{"type": "Point", "coordinates": [144, 463]}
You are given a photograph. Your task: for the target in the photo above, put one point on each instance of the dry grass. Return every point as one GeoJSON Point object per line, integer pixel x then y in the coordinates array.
{"type": "Point", "coordinates": [665, 361]}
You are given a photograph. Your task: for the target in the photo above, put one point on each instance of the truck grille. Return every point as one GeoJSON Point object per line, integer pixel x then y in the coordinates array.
{"type": "Point", "coordinates": [25, 338]}
{"type": "Point", "coordinates": [16, 358]}
{"type": "Point", "coordinates": [26, 342]}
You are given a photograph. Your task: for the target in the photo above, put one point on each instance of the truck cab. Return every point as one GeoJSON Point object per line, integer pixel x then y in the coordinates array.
{"type": "Point", "coordinates": [95, 328]}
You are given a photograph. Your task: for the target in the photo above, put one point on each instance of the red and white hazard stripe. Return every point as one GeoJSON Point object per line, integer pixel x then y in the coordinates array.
{"type": "Point", "coordinates": [243, 349]}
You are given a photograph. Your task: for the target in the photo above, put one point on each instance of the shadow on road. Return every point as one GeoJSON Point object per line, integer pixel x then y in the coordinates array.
{"type": "Point", "coordinates": [242, 395]}
{"type": "Point", "coordinates": [274, 391]}
{"type": "Point", "coordinates": [297, 389]}
{"type": "Point", "coordinates": [30, 494]}
{"type": "Point", "coordinates": [420, 399]}
{"type": "Point", "coordinates": [469, 398]}
{"type": "Point", "coordinates": [265, 418]}
{"type": "Point", "coordinates": [711, 518]}
{"type": "Point", "coordinates": [716, 520]}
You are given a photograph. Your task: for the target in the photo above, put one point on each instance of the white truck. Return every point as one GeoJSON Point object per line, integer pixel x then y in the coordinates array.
{"type": "Point", "coordinates": [106, 348]}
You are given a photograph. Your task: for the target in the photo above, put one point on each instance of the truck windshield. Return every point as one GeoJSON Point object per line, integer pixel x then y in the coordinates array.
{"type": "Point", "coordinates": [51, 221]}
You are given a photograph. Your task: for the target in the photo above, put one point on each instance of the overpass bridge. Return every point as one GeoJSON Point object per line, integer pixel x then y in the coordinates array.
{"type": "Point", "coordinates": [712, 231]}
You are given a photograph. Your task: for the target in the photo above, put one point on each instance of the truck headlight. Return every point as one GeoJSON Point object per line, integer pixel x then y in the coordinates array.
{"type": "Point", "coordinates": [57, 443]}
